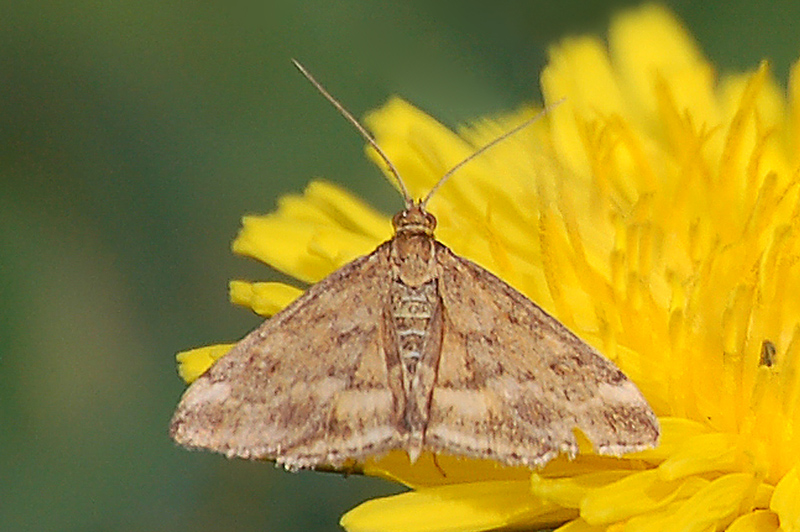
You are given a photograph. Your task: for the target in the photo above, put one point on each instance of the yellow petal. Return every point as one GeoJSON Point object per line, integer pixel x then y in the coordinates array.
{"type": "Point", "coordinates": [763, 495]}
{"type": "Point", "coordinates": [570, 491]}
{"type": "Point", "coordinates": [430, 470]}
{"type": "Point", "coordinates": [579, 525]}
{"type": "Point", "coordinates": [757, 521]}
{"type": "Point", "coordinates": [785, 500]}
{"type": "Point", "coordinates": [313, 234]}
{"type": "Point", "coordinates": [348, 211]}
{"type": "Point", "coordinates": [297, 208]}
{"type": "Point", "coordinates": [741, 104]}
{"type": "Point", "coordinates": [794, 116]}
{"type": "Point", "coordinates": [586, 462]}
{"type": "Point", "coordinates": [456, 508]}
{"type": "Point", "coordinates": [675, 432]}
{"type": "Point", "coordinates": [657, 520]}
{"type": "Point", "coordinates": [635, 494]}
{"type": "Point", "coordinates": [648, 44]}
{"type": "Point", "coordinates": [195, 362]}
{"type": "Point", "coordinates": [717, 502]}
{"type": "Point", "coordinates": [265, 299]}
{"type": "Point", "coordinates": [325, 203]}
{"type": "Point", "coordinates": [339, 247]}
{"type": "Point", "coordinates": [282, 245]}
{"type": "Point", "coordinates": [714, 505]}
{"type": "Point", "coordinates": [700, 454]}
{"type": "Point", "coordinates": [578, 69]}
{"type": "Point", "coordinates": [420, 148]}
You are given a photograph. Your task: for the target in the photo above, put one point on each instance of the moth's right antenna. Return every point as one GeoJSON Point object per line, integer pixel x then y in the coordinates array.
{"type": "Point", "coordinates": [339, 107]}
{"type": "Point", "coordinates": [485, 147]}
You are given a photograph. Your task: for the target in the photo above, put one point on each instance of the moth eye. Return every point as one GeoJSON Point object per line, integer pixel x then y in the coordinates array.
{"type": "Point", "coordinates": [430, 220]}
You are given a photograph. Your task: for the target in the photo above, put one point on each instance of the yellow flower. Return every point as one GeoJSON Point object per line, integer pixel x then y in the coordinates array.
{"type": "Point", "coordinates": [657, 214]}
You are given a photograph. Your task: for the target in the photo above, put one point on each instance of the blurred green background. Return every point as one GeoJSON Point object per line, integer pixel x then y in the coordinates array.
{"type": "Point", "coordinates": [135, 135]}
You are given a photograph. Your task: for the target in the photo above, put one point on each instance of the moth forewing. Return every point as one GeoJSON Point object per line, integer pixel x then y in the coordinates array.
{"type": "Point", "coordinates": [310, 386]}
{"type": "Point", "coordinates": [513, 382]}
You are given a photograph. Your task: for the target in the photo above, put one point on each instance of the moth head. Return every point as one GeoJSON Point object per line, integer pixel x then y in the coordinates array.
{"type": "Point", "coordinates": [414, 220]}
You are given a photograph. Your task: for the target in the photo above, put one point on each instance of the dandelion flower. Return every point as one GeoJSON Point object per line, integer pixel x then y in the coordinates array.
{"type": "Point", "coordinates": [657, 214]}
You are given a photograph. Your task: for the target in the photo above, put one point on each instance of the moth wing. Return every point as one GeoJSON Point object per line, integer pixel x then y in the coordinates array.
{"type": "Point", "coordinates": [513, 382]}
{"type": "Point", "coordinates": [310, 386]}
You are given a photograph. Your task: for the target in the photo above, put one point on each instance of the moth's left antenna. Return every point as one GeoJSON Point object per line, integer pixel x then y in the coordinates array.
{"type": "Point", "coordinates": [339, 107]}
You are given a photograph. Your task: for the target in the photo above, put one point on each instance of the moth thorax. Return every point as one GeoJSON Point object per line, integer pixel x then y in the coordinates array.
{"type": "Point", "coordinates": [414, 220]}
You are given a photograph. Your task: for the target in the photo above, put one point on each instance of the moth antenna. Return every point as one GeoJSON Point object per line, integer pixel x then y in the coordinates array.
{"type": "Point", "coordinates": [485, 147]}
{"type": "Point", "coordinates": [364, 133]}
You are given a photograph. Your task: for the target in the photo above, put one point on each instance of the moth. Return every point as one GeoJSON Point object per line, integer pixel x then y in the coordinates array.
{"type": "Point", "coordinates": [413, 348]}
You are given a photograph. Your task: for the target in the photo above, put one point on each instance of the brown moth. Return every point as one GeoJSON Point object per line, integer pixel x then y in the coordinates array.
{"type": "Point", "coordinates": [414, 348]}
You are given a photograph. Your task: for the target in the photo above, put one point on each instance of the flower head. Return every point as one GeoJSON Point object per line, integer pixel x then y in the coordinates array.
{"type": "Point", "coordinates": [657, 214]}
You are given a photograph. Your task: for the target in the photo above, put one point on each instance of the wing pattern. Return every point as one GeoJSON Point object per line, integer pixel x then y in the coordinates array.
{"type": "Point", "coordinates": [513, 382]}
{"type": "Point", "coordinates": [309, 386]}
{"type": "Point", "coordinates": [321, 384]}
